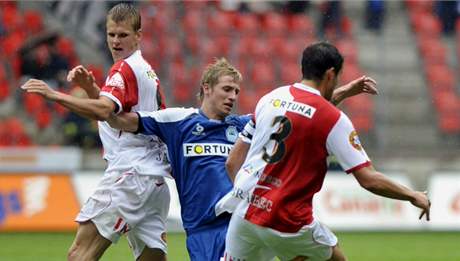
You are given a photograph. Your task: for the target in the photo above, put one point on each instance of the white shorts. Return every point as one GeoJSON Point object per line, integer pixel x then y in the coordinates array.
{"type": "Point", "coordinates": [134, 204]}
{"type": "Point", "coordinates": [246, 241]}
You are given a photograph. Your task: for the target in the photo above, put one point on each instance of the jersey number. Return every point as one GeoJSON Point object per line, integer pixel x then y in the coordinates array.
{"type": "Point", "coordinates": [279, 136]}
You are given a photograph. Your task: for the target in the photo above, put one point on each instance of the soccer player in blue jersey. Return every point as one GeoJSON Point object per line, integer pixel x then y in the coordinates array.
{"type": "Point", "coordinates": [199, 141]}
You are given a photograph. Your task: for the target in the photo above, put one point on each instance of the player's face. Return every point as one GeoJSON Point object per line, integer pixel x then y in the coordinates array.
{"type": "Point", "coordinates": [222, 96]}
{"type": "Point", "coordinates": [122, 39]}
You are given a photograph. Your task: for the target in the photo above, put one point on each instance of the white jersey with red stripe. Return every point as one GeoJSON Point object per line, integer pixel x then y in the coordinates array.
{"type": "Point", "coordinates": [133, 86]}
{"type": "Point", "coordinates": [293, 132]}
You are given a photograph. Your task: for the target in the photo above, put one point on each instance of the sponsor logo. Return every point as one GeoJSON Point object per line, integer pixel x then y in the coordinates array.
{"type": "Point", "coordinates": [296, 107]}
{"type": "Point", "coordinates": [261, 202]}
{"type": "Point", "coordinates": [271, 180]}
{"type": "Point", "coordinates": [121, 226]}
{"type": "Point", "coordinates": [151, 74]}
{"type": "Point", "coordinates": [455, 205]}
{"type": "Point", "coordinates": [35, 194]}
{"type": "Point", "coordinates": [206, 149]}
{"type": "Point", "coordinates": [231, 133]}
{"type": "Point", "coordinates": [354, 140]}
{"type": "Point", "coordinates": [116, 81]}
{"type": "Point", "coordinates": [199, 130]}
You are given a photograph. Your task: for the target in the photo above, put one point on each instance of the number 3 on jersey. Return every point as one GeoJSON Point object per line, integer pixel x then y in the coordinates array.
{"type": "Point", "coordinates": [279, 136]}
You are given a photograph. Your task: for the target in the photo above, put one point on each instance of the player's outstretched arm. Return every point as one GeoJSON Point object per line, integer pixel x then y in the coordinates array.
{"type": "Point", "coordinates": [96, 109]}
{"type": "Point", "coordinates": [236, 158]}
{"type": "Point", "coordinates": [379, 184]}
{"type": "Point", "coordinates": [80, 76]}
{"type": "Point", "coordinates": [360, 85]}
{"type": "Point", "coordinates": [125, 121]}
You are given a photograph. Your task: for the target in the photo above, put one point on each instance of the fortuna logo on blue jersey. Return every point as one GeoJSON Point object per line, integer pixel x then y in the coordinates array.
{"type": "Point", "coordinates": [206, 149]}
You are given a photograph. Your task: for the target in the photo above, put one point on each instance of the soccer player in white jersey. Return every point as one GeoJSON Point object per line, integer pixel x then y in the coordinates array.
{"type": "Point", "coordinates": [294, 129]}
{"type": "Point", "coordinates": [132, 196]}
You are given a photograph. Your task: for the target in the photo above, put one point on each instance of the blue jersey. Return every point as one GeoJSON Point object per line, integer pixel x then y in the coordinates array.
{"type": "Point", "coordinates": [197, 149]}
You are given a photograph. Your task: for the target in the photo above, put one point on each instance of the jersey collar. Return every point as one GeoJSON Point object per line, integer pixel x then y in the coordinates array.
{"type": "Point", "coordinates": [212, 120]}
{"type": "Point", "coordinates": [306, 88]}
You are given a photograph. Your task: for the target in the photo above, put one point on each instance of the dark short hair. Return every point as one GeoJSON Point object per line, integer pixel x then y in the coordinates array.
{"type": "Point", "coordinates": [317, 58]}
{"type": "Point", "coordinates": [125, 12]}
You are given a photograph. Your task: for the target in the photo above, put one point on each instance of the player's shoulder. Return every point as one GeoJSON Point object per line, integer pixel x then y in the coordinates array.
{"type": "Point", "coordinates": [239, 120]}
{"type": "Point", "coordinates": [171, 114]}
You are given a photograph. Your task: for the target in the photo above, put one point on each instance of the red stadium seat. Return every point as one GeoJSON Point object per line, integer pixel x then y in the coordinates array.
{"type": "Point", "coordinates": [247, 101]}
{"type": "Point", "coordinates": [220, 23]}
{"type": "Point", "coordinates": [290, 73]}
{"type": "Point", "coordinates": [301, 24]}
{"type": "Point", "coordinates": [34, 21]}
{"type": "Point", "coordinates": [432, 50]}
{"type": "Point", "coordinates": [11, 18]}
{"type": "Point", "coordinates": [33, 103]}
{"type": "Point", "coordinates": [43, 118]}
{"type": "Point", "coordinates": [193, 21]}
{"type": "Point", "coordinates": [247, 23]}
{"type": "Point", "coordinates": [275, 23]}
{"type": "Point", "coordinates": [347, 48]}
{"type": "Point", "coordinates": [426, 23]}
{"type": "Point", "coordinates": [350, 72]}
{"type": "Point", "coordinates": [449, 122]}
{"type": "Point", "coordinates": [263, 75]}
{"type": "Point", "coordinates": [440, 77]}
{"type": "Point", "coordinates": [4, 90]}
{"type": "Point", "coordinates": [362, 122]}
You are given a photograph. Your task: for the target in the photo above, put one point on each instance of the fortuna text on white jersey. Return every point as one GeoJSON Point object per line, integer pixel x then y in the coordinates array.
{"type": "Point", "coordinates": [206, 149]}
{"type": "Point", "coordinates": [296, 107]}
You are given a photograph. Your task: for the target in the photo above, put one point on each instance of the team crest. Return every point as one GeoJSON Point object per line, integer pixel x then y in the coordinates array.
{"type": "Point", "coordinates": [199, 130]}
{"type": "Point", "coordinates": [232, 134]}
{"type": "Point", "coordinates": [354, 140]}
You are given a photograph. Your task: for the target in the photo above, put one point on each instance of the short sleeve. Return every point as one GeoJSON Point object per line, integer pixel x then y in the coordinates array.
{"type": "Point", "coordinates": [343, 142]}
{"type": "Point", "coordinates": [248, 132]}
{"type": "Point", "coordinates": [115, 89]}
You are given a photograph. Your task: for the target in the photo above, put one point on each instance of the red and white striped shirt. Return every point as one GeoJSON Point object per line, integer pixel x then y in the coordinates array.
{"type": "Point", "coordinates": [133, 86]}
{"type": "Point", "coordinates": [293, 132]}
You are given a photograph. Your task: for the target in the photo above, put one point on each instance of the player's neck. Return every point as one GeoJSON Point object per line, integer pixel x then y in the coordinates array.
{"type": "Point", "coordinates": [210, 113]}
{"type": "Point", "coordinates": [310, 83]}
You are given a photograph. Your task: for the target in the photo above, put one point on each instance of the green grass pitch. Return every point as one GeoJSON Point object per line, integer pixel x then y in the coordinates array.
{"type": "Point", "coordinates": [358, 246]}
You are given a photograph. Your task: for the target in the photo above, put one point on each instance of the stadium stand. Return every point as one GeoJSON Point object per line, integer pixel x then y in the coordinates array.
{"type": "Point", "coordinates": [180, 38]}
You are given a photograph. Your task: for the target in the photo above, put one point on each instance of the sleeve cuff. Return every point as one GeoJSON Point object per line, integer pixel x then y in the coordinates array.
{"type": "Point", "coordinates": [360, 166]}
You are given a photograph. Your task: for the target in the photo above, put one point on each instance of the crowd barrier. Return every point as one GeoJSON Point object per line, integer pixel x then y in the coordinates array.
{"type": "Point", "coordinates": [49, 202]}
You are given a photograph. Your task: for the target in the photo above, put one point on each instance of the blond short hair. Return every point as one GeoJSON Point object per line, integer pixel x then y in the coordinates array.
{"type": "Point", "coordinates": [212, 73]}
{"type": "Point", "coordinates": [125, 12]}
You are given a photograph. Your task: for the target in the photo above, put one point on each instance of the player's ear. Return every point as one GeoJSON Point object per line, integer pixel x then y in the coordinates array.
{"type": "Point", "coordinates": [330, 74]}
{"type": "Point", "coordinates": [206, 89]}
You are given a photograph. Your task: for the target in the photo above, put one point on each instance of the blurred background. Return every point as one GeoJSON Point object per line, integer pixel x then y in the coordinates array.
{"type": "Point", "coordinates": [410, 130]}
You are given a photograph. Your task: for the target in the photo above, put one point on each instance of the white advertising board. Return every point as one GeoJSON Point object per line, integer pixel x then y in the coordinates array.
{"type": "Point", "coordinates": [445, 201]}
{"type": "Point", "coordinates": [344, 205]}
{"type": "Point", "coordinates": [40, 159]}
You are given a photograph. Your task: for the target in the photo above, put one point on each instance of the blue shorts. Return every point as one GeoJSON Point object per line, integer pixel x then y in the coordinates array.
{"type": "Point", "coordinates": [208, 242]}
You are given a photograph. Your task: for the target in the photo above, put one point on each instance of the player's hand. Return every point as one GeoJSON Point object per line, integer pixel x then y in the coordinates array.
{"type": "Point", "coordinates": [82, 77]}
{"type": "Point", "coordinates": [420, 200]}
{"type": "Point", "coordinates": [39, 87]}
{"type": "Point", "coordinates": [363, 84]}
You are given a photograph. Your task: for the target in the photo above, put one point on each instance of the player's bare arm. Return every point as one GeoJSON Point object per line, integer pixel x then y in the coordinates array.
{"type": "Point", "coordinates": [96, 109]}
{"type": "Point", "coordinates": [125, 121]}
{"type": "Point", "coordinates": [80, 76]}
{"type": "Point", "coordinates": [379, 184]}
{"type": "Point", "coordinates": [360, 85]}
{"type": "Point", "coordinates": [236, 158]}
